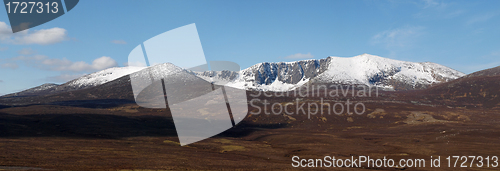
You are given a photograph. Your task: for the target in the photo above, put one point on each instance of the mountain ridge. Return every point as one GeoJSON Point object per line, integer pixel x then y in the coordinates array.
{"type": "Point", "coordinates": [387, 73]}
{"type": "Point", "coordinates": [86, 81]}
{"type": "Point", "coordinates": [495, 71]}
{"type": "Point", "coordinates": [363, 69]}
{"type": "Point", "coordinates": [283, 76]}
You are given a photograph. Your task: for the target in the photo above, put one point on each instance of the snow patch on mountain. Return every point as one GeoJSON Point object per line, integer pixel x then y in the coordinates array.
{"type": "Point", "coordinates": [365, 69]}
{"type": "Point", "coordinates": [104, 76]}
{"type": "Point", "coordinates": [45, 86]}
{"type": "Point", "coordinates": [281, 76]}
{"type": "Point", "coordinates": [383, 72]}
{"type": "Point", "coordinates": [157, 72]}
{"type": "Point", "coordinates": [277, 86]}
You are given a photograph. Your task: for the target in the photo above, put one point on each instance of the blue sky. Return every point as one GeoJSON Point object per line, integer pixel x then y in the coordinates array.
{"type": "Point", "coordinates": [95, 35]}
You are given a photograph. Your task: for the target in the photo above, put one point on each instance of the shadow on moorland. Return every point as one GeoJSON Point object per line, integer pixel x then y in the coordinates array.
{"type": "Point", "coordinates": [102, 126]}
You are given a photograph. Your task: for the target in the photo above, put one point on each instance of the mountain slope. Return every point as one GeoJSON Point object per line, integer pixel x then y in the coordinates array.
{"type": "Point", "coordinates": [364, 69]}
{"type": "Point", "coordinates": [119, 91]}
{"type": "Point", "coordinates": [283, 76]}
{"type": "Point", "coordinates": [487, 72]}
{"type": "Point", "coordinates": [479, 89]}
{"type": "Point", "coordinates": [34, 90]}
{"type": "Point", "coordinates": [90, 80]}
{"type": "Point", "coordinates": [279, 76]}
{"type": "Point", "coordinates": [386, 73]}
{"type": "Point", "coordinates": [101, 77]}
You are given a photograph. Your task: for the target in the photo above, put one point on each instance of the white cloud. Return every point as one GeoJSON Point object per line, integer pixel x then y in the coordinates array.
{"type": "Point", "coordinates": [400, 37]}
{"type": "Point", "coordinates": [53, 64]}
{"type": "Point", "coordinates": [98, 64]}
{"type": "Point", "coordinates": [26, 51]}
{"type": "Point", "coordinates": [300, 56]}
{"type": "Point", "coordinates": [41, 37]}
{"type": "Point", "coordinates": [9, 65]}
{"type": "Point", "coordinates": [5, 31]}
{"type": "Point", "coordinates": [64, 78]}
{"type": "Point", "coordinates": [119, 42]}
{"type": "Point", "coordinates": [3, 48]}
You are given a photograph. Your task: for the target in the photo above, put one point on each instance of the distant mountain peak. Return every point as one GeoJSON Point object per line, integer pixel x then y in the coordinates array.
{"type": "Point", "coordinates": [104, 76]}
{"type": "Point", "coordinates": [86, 81]}
{"type": "Point", "coordinates": [33, 90]}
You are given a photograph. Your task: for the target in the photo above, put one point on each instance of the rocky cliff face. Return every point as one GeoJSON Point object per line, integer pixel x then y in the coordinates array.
{"type": "Point", "coordinates": [364, 69]}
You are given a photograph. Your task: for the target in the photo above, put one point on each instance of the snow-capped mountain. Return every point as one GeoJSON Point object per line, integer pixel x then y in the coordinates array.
{"type": "Point", "coordinates": [363, 69]}
{"type": "Point", "coordinates": [386, 73]}
{"type": "Point", "coordinates": [282, 76]}
{"type": "Point", "coordinates": [90, 80]}
{"type": "Point", "coordinates": [101, 77]}
{"type": "Point", "coordinates": [157, 72]}
{"type": "Point", "coordinates": [33, 90]}
{"type": "Point", "coordinates": [279, 76]}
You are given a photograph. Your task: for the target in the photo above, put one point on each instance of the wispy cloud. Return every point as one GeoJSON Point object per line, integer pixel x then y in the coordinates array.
{"type": "Point", "coordinates": [398, 40]}
{"type": "Point", "coordinates": [43, 62]}
{"type": "Point", "coordinates": [3, 48]}
{"type": "Point", "coordinates": [437, 9]}
{"type": "Point", "coordinates": [434, 4]}
{"type": "Point", "coordinates": [399, 37]}
{"type": "Point", "coordinates": [481, 18]}
{"type": "Point", "coordinates": [26, 51]}
{"type": "Point", "coordinates": [53, 64]}
{"type": "Point", "coordinates": [9, 65]}
{"type": "Point", "coordinates": [1, 81]}
{"type": "Point", "coordinates": [41, 37]}
{"type": "Point", "coordinates": [122, 42]}
{"type": "Point", "coordinates": [454, 14]}
{"type": "Point", "coordinates": [300, 56]}
{"type": "Point", "coordinates": [67, 69]}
